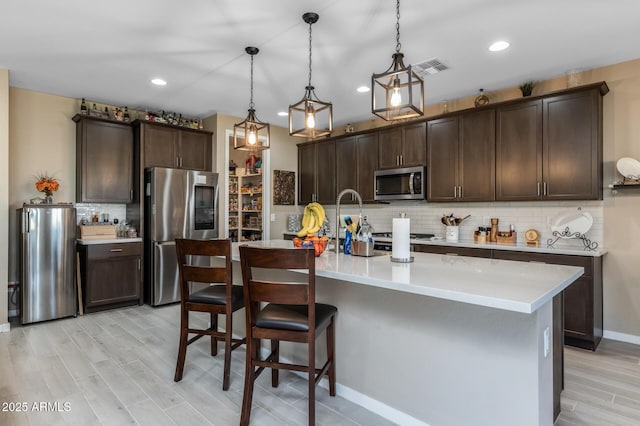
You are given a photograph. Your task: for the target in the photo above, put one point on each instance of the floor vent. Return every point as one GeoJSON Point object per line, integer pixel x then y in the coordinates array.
{"type": "Point", "coordinates": [430, 66]}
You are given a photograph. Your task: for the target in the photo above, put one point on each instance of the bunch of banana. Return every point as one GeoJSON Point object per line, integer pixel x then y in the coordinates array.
{"type": "Point", "coordinates": [312, 219]}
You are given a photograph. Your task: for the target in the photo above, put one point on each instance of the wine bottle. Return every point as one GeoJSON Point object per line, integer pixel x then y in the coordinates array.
{"type": "Point", "coordinates": [83, 107]}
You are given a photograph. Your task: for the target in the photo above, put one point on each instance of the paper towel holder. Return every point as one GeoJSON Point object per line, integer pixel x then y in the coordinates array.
{"type": "Point", "coordinates": [398, 260]}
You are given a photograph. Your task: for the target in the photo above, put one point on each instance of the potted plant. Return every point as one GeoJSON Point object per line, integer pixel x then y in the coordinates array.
{"type": "Point", "coordinates": [527, 87]}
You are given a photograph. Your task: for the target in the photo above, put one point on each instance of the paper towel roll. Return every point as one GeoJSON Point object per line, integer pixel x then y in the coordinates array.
{"type": "Point", "coordinates": [400, 248]}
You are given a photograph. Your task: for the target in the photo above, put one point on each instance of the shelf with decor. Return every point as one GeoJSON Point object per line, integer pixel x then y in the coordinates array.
{"type": "Point", "coordinates": [245, 207]}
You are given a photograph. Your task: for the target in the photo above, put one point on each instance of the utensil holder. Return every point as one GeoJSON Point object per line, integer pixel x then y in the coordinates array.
{"type": "Point", "coordinates": [452, 233]}
{"type": "Point", "coordinates": [362, 248]}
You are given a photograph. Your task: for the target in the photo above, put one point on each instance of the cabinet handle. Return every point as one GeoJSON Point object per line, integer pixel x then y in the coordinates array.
{"type": "Point", "coordinates": [460, 191]}
{"type": "Point", "coordinates": [397, 160]}
{"type": "Point", "coordinates": [115, 250]}
{"type": "Point", "coordinates": [538, 189]}
{"type": "Point", "coordinates": [177, 161]}
{"type": "Point", "coordinates": [545, 189]}
{"type": "Point", "coordinates": [139, 264]}
{"type": "Point", "coordinates": [131, 194]}
{"type": "Point", "coordinates": [401, 160]}
{"type": "Point", "coordinates": [455, 192]}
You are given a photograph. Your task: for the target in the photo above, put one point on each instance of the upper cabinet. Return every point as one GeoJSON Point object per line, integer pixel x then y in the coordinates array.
{"type": "Point", "coordinates": [356, 161]}
{"type": "Point", "coordinates": [165, 145]}
{"type": "Point", "coordinates": [551, 148]}
{"type": "Point", "coordinates": [461, 153]}
{"type": "Point", "coordinates": [403, 146]}
{"type": "Point", "coordinates": [317, 172]}
{"type": "Point", "coordinates": [104, 160]}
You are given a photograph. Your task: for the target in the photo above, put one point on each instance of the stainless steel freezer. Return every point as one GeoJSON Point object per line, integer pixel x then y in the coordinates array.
{"type": "Point", "coordinates": [47, 262]}
{"type": "Point", "coordinates": [178, 204]}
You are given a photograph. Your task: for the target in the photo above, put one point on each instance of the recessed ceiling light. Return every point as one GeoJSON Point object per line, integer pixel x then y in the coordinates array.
{"type": "Point", "coordinates": [499, 45]}
{"type": "Point", "coordinates": [158, 82]}
{"type": "Point", "coordinates": [283, 113]}
{"type": "Point", "coordinates": [363, 89]}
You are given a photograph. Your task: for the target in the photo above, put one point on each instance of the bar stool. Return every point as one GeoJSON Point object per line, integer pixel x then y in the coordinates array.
{"type": "Point", "coordinates": [222, 299]}
{"type": "Point", "coordinates": [290, 315]}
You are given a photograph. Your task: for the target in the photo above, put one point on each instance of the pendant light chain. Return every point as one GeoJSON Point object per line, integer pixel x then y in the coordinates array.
{"type": "Point", "coordinates": [251, 104]}
{"type": "Point", "coordinates": [310, 53]}
{"type": "Point", "coordinates": [398, 45]}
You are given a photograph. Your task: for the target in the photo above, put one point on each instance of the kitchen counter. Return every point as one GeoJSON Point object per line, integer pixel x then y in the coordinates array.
{"type": "Point", "coordinates": [483, 334]}
{"type": "Point", "coordinates": [88, 242]}
{"type": "Point", "coordinates": [515, 286]}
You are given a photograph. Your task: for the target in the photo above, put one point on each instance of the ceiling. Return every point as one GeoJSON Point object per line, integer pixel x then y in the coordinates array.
{"type": "Point", "coordinates": [108, 51]}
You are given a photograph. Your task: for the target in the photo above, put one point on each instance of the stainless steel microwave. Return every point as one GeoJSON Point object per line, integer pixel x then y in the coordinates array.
{"type": "Point", "coordinates": [400, 184]}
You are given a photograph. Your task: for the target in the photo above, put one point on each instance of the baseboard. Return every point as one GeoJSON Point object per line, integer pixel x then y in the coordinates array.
{"type": "Point", "coordinates": [5, 328]}
{"type": "Point", "coordinates": [621, 337]}
{"type": "Point", "coordinates": [373, 405]}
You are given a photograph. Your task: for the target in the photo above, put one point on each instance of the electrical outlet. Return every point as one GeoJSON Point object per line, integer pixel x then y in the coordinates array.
{"type": "Point", "coordinates": [273, 217]}
{"type": "Point", "coordinates": [547, 342]}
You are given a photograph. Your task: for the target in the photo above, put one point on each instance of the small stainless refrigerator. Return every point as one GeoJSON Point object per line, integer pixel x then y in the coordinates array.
{"type": "Point", "coordinates": [47, 262]}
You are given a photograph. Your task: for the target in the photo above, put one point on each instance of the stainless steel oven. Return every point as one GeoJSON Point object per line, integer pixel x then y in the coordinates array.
{"type": "Point", "coordinates": [400, 184]}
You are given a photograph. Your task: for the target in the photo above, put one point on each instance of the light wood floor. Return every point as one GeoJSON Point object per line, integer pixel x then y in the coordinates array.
{"type": "Point", "coordinates": [116, 368]}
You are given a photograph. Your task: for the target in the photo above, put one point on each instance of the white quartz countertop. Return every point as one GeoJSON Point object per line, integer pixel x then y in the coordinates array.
{"type": "Point", "coordinates": [559, 247]}
{"type": "Point", "coordinates": [88, 242]}
{"type": "Point", "coordinates": [502, 284]}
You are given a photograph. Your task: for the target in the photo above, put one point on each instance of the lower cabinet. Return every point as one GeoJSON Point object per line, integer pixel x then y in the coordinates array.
{"type": "Point", "coordinates": [455, 251]}
{"type": "Point", "coordinates": [582, 299]}
{"type": "Point", "coordinates": [111, 275]}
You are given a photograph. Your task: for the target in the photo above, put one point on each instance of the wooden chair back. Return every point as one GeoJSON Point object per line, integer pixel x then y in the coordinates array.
{"type": "Point", "coordinates": [193, 273]}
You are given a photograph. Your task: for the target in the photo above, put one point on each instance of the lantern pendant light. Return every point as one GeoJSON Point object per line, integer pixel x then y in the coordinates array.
{"type": "Point", "coordinates": [311, 117]}
{"type": "Point", "coordinates": [251, 134]}
{"type": "Point", "coordinates": [397, 93]}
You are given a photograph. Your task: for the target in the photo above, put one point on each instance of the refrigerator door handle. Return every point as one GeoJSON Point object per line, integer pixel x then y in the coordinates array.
{"type": "Point", "coordinates": [25, 221]}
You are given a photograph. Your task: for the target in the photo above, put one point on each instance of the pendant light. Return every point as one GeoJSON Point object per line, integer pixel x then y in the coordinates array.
{"type": "Point", "coordinates": [397, 93]}
{"type": "Point", "coordinates": [311, 117]}
{"type": "Point", "coordinates": [251, 134]}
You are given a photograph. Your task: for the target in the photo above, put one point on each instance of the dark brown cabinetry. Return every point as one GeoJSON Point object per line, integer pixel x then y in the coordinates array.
{"type": "Point", "coordinates": [111, 275]}
{"type": "Point", "coordinates": [403, 146]}
{"type": "Point", "coordinates": [165, 145]}
{"type": "Point", "coordinates": [357, 160]}
{"type": "Point", "coordinates": [104, 160]}
{"type": "Point", "coordinates": [582, 299]}
{"type": "Point", "coordinates": [461, 153]}
{"type": "Point", "coordinates": [453, 251]}
{"type": "Point", "coordinates": [317, 172]}
{"type": "Point", "coordinates": [551, 148]}
{"type": "Point", "coordinates": [519, 151]}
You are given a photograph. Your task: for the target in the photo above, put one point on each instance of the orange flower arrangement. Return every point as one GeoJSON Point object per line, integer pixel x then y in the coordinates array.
{"type": "Point", "coordinates": [47, 184]}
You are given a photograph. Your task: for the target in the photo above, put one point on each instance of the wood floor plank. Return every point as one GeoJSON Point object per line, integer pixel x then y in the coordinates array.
{"type": "Point", "coordinates": [147, 413]}
{"type": "Point", "coordinates": [106, 406]}
{"type": "Point", "coordinates": [186, 414]}
{"type": "Point", "coordinates": [160, 392]}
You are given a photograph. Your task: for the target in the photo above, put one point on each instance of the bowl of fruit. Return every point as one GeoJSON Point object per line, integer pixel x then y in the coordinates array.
{"type": "Point", "coordinates": [312, 220]}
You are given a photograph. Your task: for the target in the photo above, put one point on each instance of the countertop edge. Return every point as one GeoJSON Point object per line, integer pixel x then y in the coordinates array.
{"type": "Point", "coordinates": [88, 242]}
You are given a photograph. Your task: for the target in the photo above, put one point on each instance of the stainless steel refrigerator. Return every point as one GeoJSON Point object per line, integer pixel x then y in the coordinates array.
{"type": "Point", "coordinates": [178, 204]}
{"type": "Point", "coordinates": [47, 262]}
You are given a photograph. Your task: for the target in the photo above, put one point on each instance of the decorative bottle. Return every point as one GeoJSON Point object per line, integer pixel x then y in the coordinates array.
{"type": "Point", "coordinates": [83, 107]}
{"type": "Point", "coordinates": [481, 99]}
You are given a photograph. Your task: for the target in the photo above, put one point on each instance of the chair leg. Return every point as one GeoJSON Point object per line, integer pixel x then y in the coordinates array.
{"type": "Point", "coordinates": [182, 348]}
{"type": "Point", "coordinates": [275, 349]}
{"type": "Point", "coordinates": [214, 340]}
{"type": "Point", "coordinates": [227, 352]}
{"type": "Point", "coordinates": [249, 378]}
{"type": "Point", "coordinates": [312, 383]}
{"type": "Point", "coordinates": [331, 350]}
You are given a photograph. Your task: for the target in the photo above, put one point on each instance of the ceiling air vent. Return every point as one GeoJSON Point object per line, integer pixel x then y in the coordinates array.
{"type": "Point", "coordinates": [430, 66]}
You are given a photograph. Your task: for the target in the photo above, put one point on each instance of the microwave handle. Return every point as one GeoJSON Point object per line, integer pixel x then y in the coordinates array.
{"type": "Point", "coordinates": [411, 177]}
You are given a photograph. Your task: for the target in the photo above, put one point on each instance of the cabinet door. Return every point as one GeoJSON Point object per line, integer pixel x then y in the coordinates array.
{"type": "Point", "coordinates": [306, 173]}
{"type": "Point", "coordinates": [326, 172]}
{"type": "Point", "coordinates": [347, 165]}
{"type": "Point", "coordinates": [442, 169]}
{"type": "Point", "coordinates": [476, 159]}
{"type": "Point", "coordinates": [572, 152]}
{"type": "Point", "coordinates": [578, 309]}
{"type": "Point", "coordinates": [367, 161]}
{"type": "Point", "coordinates": [113, 280]}
{"type": "Point", "coordinates": [390, 148]}
{"type": "Point", "coordinates": [414, 145]}
{"type": "Point", "coordinates": [519, 152]}
{"type": "Point", "coordinates": [195, 150]}
{"type": "Point", "coordinates": [105, 162]}
{"type": "Point", "coordinates": [160, 146]}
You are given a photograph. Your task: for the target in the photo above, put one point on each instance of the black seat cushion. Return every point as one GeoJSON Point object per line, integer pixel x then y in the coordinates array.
{"type": "Point", "coordinates": [217, 295]}
{"type": "Point", "coordinates": [293, 317]}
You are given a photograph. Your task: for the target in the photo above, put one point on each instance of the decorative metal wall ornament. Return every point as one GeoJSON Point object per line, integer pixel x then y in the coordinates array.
{"type": "Point", "coordinates": [397, 93]}
{"type": "Point", "coordinates": [588, 244]}
{"type": "Point", "coordinates": [251, 134]}
{"type": "Point", "coordinates": [311, 117]}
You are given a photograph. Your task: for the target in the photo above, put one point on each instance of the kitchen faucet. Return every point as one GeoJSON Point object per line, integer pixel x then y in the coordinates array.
{"type": "Point", "coordinates": [338, 198]}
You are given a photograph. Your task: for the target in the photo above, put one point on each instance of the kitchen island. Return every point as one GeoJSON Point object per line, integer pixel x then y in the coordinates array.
{"type": "Point", "coordinates": [445, 340]}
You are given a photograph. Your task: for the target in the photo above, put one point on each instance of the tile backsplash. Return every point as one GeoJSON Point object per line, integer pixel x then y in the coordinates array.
{"type": "Point", "coordinates": [425, 217]}
{"type": "Point", "coordinates": [115, 211]}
